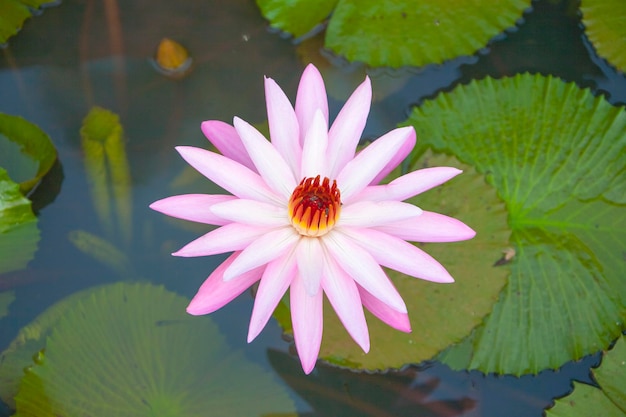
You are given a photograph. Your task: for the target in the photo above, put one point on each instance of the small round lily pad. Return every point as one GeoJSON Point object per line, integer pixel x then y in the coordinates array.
{"type": "Point", "coordinates": [605, 26]}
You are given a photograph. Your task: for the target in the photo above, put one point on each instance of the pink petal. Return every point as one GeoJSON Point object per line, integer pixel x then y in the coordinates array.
{"type": "Point", "coordinates": [386, 314]}
{"type": "Point", "coordinates": [314, 152]}
{"type": "Point", "coordinates": [268, 161]}
{"type": "Point", "coordinates": [276, 279]}
{"type": "Point", "coordinates": [263, 250]}
{"type": "Point", "coordinates": [396, 160]}
{"type": "Point", "coordinates": [311, 98]}
{"type": "Point", "coordinates": [409, 185]}
{"type": "Point", "coordinates": [346, 131]}
{"type": "Point", "coordinates": [344, 296]}
{"type": "Point", "coordinates": [228, 238]}
{"type": "Point", "coordinates": [362, 267]}
{"type": "Point", "coordinates": [310, 258]}
{"type": "Point", "coordinates": [283, 124]}
{"type": "Point", "coordinates": [193, 207]}
{"type": "Point", "coordinates": [252, 212]}
{"type": "Point", "coordinates": [429, 227]}
{"type": "Point", "coordinates": [360, 171]}
{"type": "Point", "coordinates": [376, 213]}
{"type": "Point", "coordinates": [228, 174]}
{"type": "Point", "coordinates": [215, 293]}
{"type": "Point", "coordinates": [225, 138]}
{"type": "Point", "coordinates": [398, 254]}
{"type": "Point", "coordinates": [307, 320]}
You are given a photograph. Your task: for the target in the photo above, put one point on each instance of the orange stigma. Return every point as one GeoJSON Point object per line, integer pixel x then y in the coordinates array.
{"type": "Point", "coordinates": [313, 207]}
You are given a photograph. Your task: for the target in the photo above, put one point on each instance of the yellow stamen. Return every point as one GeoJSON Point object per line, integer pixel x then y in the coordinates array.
{"type": "Point", "coordinates": [313, 207]}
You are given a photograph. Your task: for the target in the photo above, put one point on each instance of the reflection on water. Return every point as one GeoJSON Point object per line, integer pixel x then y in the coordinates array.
{"type": "Point", "coordinates": [73, 57]}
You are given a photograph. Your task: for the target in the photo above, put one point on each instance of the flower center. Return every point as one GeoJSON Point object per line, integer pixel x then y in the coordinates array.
{"type": "Point", "coordinates": [313, 207]}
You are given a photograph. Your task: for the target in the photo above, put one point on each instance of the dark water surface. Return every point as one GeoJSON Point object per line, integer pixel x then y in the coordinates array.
{"type": "Point", "coordinates": [78, 55]}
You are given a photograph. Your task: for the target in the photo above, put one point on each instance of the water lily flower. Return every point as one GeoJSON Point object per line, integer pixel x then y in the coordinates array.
{"type": "Point", "coordinates": [306, 213]}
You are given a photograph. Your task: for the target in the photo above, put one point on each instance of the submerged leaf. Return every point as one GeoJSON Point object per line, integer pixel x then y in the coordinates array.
{"type": "Point", "coordinates": [102, 139]}
{"type": "Point", "coordinates": [26, 152]}
{"type": "Point", "coordinates": [605, 26]}
{"type": "Point", "coordinates": [131, 350]}
{"type": "Point", "coordinates": [6, 298]}
{"type": "Point", "coordinates": [557, 157]}
{"type": "Point", "coordinates": [609, 400]}
{"type": "Point", "coordinates": [13, 13]}
{"type": "Point", "coordinates": [19, 234]}
{"type": "Point", "coordinates": [101, 250]}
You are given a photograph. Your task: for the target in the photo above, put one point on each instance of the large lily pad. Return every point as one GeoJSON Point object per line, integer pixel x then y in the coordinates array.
{"type": "Point", "coordinates": [557, 157]}
{"type": "Point", "coordinates": [401, 32]}
{"type": "Point", "coordinates": [296, 17]}
{"type": "Point", "coordinates": [13, 13]}
{"type": "Point", "coordinates": [609, 400]}
{"type": "Point", "coordinates": [605, 26]}
{"type": "Point", "coordinates": [131, 350]}
{"type": "Point", "coordinates": [19, 234]}
{"type": "Point", "coordinates": [26, 151]}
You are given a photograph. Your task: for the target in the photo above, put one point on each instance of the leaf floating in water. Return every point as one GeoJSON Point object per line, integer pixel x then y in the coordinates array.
{"type": "Point", "coordinates": [557, 157]}
{"type": "Point", "coordinates": [13, 14]}
{"type": "Point", "coordinates": [172, 59]}
{"type": "Point", "coordinates": [102, 140]}
{"type": "Point", "coordinates": [108, 353]}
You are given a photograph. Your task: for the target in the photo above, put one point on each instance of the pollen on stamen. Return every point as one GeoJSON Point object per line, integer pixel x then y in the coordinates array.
{"type": "Point", "coordinates": [314, 206]}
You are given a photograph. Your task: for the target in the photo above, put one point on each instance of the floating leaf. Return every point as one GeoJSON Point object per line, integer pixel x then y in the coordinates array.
{"type": "Point", "coordinates": [13, 13]}
{"type": "Point", "coordinates": [26, 152]}
{"type": "Point", "coordinates": [461, 306]}
{"type": "Point", "coordinates": [609, 400]}
{"type": "Point", "coordinates": [398, 32]}
{"type": "Point", "coordinates": [172, 59]}
{"type": "Point", "coordinates": [297, 17]}
{"type": "Point", "coordinates": [131, 350]}
{"type": "Point", "coordinates": [557, 157]}
{"type": "Point", "coordinates": [102, 139]}
{"type": "Point", "coordinates": [605, 26]}
{"type": "Point", "coordinates": [19, 234]}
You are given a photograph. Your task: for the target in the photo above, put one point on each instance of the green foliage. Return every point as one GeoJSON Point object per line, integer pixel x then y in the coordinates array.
{"type": "Point", "coordinates": [609, 400]}
{"type": "Point", "coordinates": [605, 26]}
{"type": "Point", "coordinates": [131, 350]}
{"type": "Point", "coordinates": [13, 14]}
{"type": "Point", "coordinates": [26, 152]}
{"type": "Point", "coordinates": [19, 234]}
{"type": "Point", "coordinates": [398, 32]}
{"type": "Point", "coordinates": [557, 157]}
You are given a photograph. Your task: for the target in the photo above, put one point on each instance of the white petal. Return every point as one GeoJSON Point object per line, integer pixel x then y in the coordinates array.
{"type": "Point", "coordinates": [307, 320]}
{"type": "Point", "coordinates": [283, 124]}
{"type": "Point", "coordinates": [225, 138]}
{"type": "Point", "coordinates": [429, 227]}
{"type": "Point", "coordinates": [252, 212]}
{"type": "Point", "coordinates": [362, 267]}
{"type": "Point", "coordinates": [314, 152]}
{"type": "Point", "coordinates": [398, 254]}
{"type": "Point", "coordinates": [386, 314]}
{"type": "Point", "coordinates": [360, 171]}
{"type": "Point", "coordinates": [346, 131]}
{"type": "Point", "coordinates": [228, 238]}
{"type": "Point", "coordinates": [228, 174]}
{"type": "Point", "coordinates": [276, 279]}
{"type": "Point", "coordinates": [193, 207]}
{"type": "Point", "coordinates": [343, 295]}
{"type": "Point", "coordinates": [376, 213]}
{"type": "Point", "coordinates": [310, 260]}
{"type": "Point", "coordinates": [270, 164]}
{"type": "Point", "coordinates": [263, 250]}
{"type": "Point", "coordinates": [311, 98]}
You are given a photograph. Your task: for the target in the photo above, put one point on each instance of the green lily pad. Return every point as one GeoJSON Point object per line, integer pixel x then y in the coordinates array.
{"type": "Point", "coordinates": [19, 234]}
{"type": "Point", "coordinates": [13, 13]}
{"type": "Point", "coordinates": [399, 32]}
{"type": "Point", "coordinates": [26, 152]}
{"type": "Point", "coordinates": [609, 400]}
{"type": "Point", "coordinates": [106, 163]}
{"type": "Point", "coordinates": [605, 26]}
{"type": "Point", "coordinates": [297, 17]}
{"type": "Point", "coordinates": [131, 350]}
{"type": "Point", "coordinates": [557, 157]}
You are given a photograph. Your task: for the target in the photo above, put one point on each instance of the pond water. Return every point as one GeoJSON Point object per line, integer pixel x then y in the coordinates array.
{"type": "Point", "coordinates": [86, 53]}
